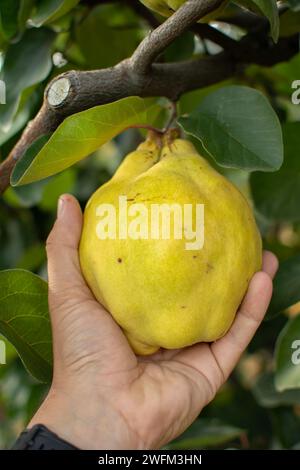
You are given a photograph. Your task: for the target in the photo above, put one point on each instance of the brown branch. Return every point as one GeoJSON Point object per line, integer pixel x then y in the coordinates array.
{"type": "Point", "coordinates": [157, 41]}
{"type": "Point", "coordinates": [76, 91]}
{"type": "Point", "coordinates": [205, 31]}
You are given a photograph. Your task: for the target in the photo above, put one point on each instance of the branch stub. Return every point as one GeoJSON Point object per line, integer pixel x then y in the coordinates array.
{"type": "Point", "coordinates": [58, 91]}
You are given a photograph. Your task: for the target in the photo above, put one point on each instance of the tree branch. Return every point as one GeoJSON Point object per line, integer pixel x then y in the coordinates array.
{"type": "Point", "coordinates": [75, 91]}
{"type": "Point", "coordinates": [159, 39]}
{"type": "Point", "coordinates": [205, 31]}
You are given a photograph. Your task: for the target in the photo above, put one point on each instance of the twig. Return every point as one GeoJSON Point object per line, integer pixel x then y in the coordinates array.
{"type": "Point", "coordinates": [76, 91]}
{"type": "Point", "coordinates": [157, 41]}
{"type": "Point", "coordinates": [205, 31]}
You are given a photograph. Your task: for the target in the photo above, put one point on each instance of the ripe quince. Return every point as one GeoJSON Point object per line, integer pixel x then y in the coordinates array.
{"type": "Point", "coordinates": [168, 7]}
{"type": "Point", "coordinates": [160, 291]}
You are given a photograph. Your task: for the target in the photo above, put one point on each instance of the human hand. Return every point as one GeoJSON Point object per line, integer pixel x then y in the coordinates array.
{"type": "Point", "coordinates": [102, 395]}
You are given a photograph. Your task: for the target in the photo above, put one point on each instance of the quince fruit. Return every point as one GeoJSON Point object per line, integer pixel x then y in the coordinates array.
{"type": "Point", "coordinates": [163, 291]}
{"type": "Point", "coordinates": [168, 7]}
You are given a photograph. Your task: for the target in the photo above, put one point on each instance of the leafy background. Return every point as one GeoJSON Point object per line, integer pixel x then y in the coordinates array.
{"type": "Point", "coordinates": [240, 125]}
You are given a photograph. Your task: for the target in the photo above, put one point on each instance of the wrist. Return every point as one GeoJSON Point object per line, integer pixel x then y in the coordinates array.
{"type": "Point", "coordinates": [82, 423]}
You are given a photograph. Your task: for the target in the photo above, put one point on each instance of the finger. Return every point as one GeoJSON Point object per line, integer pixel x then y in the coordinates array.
{"type": "Point", "coordinates": [62, 251]}
{"type": "Point", "coordinates": [270, 263]}
{"type": "Point", "coordinates": [228, 349]}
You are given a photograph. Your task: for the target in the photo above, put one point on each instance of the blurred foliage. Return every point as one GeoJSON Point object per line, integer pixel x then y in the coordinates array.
{"type": "Point", "coordinates": [40, 39]}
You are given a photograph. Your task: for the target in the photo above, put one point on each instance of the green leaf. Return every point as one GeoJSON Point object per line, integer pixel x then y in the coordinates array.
{"type": "Point", "coordinates": [33, 257]}
{"type": "Point", "coordinates": [80, 135]}
{"type": "Point", "coordinates": [62, 183]}
{"type": "Point", "coordinates": [29, 156]}
{"type": "Point", "coordinates": [24, 12]}
{"type": "Point", "coordinates": [289, 23]}
{"type": "Point", "coordinates": [205, 433]}
{"type": "Point", "coordinates": [286, 286]}
{"type": "Point", "coordinates": [95, 31]}
{"type": "Point", "coordinates": [294, 4]}
{"type": "Point", "coordinates": [238, 128]}
{"type": "Point", "coordinates": [9, 18]}
{"type": "Point", "coordinates": [18, 122]}
{"type": "Point", "coordinates": [182, 48]}
{"type": "Point", "coordinates": [267, 395]}
{"type": "Point", "coordinates": [287, 354]}
{"type": "Point", "coordinates": [269, 9]}
{"type": "Point", "coordinates": [277, 195]}
{"type": "Point", "coordinates": [50, 10]}
{"type": "Point", "coordinates": [24, 320]}
{"type": "Point", "coordinates": [25, 64]}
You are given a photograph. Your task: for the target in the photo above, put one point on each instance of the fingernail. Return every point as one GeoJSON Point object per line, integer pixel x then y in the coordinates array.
{"type": "Point", "coordinates": [60, 207]}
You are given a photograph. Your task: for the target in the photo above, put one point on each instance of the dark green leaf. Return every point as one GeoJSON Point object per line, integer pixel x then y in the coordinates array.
{"type": "Point", "coordinates": [182, 48]}
{"type": "Point", "coordinates": [205, 433]}
{"type": "Point", "coordinates": [287, 355]}
{"type": "Point", "coordinates": [59, 184]}
{"type": "Point", "coordinates": [9, 18]}
{"type": "Point", "coordinates": [50, 10]}
{"type": "Point", "coordinates": [80, 135]}
{"type": "Point", "coordinates": [267, 395]}
{"type": "Point", "coordinates": [269, 9]}
{"type": "Point", "coordinates": [32, 258]}
{"type": "Point", "coordinates": [286, 426]}
{"type": "Point", "coordinates": [286, 286]}
{"type": "Point", "coordinates": [24, 320]}
{"type": "Point", "coordinates": [18, 122]}
{"type": "Point", "coordinates": [289, 23]}
{"type": "Point", "coordinates": [25, 64]}
{"type": "Point", "coordinates": [277, 195]}
{"type": "Point", "coordinates": [294, 4]}
{"type": "Point", "coordinates": [24, 12]}
{"type": "Point", "coordinates": [94, 32]}
{"type": "Point", "coordinates": [28, 157]}
{"type": "Point", "coordinates": [239, 129]}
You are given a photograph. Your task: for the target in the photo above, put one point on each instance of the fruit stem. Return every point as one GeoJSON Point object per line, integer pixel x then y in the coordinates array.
{"type": "Point", "coordinates": [173, 115]}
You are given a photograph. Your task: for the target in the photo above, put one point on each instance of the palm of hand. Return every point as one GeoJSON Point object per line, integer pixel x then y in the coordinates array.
{"type": "Point", "coordinates": [112, 398]}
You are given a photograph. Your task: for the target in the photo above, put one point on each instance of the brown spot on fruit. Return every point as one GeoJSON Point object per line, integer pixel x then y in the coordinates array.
{"type": "Point", "coordinates": [209, 267]}
{"type": "Point", "coordinates": [183, 306]}
{"type": "Point", "coordinates": [119, 260]}
{"type": "Point", "coordinates": [195, 256]}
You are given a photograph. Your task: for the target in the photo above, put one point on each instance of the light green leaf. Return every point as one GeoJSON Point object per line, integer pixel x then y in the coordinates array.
{"type": "Point", "coordinates": [238, 128]}
{"type": "Point", "coordinates": [277, 195]}
{"type": "Point", "coordinates": [50, 10]}
{"type": "Point", "coordinates": [287, 354]}
{"type": "Point", "coordinates": [267, 395]}
{"type": "Point", "coordinates": [80, 135]}
{"type": "Point", "coordinates": [205, 433]}
{"type": "Point", "coordinates": [24, 320]}
{"type": "Point", "coordinates": [286, 290]}
{"type": "Point", "coordinates": [24, 65]}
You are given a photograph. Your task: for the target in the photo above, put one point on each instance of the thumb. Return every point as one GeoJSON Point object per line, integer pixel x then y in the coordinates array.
{"type": "Point", "coordinates": [64, 274]}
